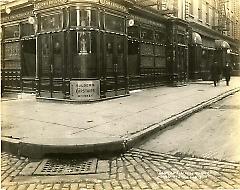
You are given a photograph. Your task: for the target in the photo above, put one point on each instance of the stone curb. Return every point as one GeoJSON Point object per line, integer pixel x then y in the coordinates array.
{"type": "Point", "coordinates": [136, 138]}
{"type": "Point", "coordinates": [21, 148]}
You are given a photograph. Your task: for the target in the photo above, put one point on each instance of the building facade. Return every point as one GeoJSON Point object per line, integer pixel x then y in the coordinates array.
{"type": "Point", "coordinates": [95, 49]}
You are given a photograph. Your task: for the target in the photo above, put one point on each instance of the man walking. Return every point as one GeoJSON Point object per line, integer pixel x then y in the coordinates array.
{"type": "Point", "coordinates": [215, 73]}
{"type": "Point", "coordinates": [227, 73]}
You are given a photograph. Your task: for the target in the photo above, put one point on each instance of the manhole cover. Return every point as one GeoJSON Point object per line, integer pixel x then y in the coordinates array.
{"type": "Point", "coordinates": [66, 167]}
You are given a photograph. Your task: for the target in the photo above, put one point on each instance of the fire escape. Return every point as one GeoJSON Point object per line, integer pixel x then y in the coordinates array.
{"type": "Point", "coordinates": [223, 21]}
{"type": "Point", "coordinates": [160, 5]}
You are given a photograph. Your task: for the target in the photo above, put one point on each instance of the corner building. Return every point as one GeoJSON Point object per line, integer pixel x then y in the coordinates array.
{"type": "Point", "coordinates": [96, 49]}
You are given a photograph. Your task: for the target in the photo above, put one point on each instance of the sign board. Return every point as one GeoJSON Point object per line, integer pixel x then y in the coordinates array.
{"type": "Point", "coordinates": [85, 90]}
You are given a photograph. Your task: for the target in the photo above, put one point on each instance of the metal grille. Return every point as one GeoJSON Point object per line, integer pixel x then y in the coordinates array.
{"type": "Point", "coordinates": [66, 167]}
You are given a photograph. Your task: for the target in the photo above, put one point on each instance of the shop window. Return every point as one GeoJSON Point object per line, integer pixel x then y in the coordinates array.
{"type": "Point", "coordinates": [80, 17]}
{"type": "Point", "coordinates": [51, 22]}
{"type": "Point", "coordinates": [147, 34]}
{"type": "Point", "coordinates": [120, 56]}
{"type": "Point", "coordinates": [109, 54]}
{"type": "Point", "coordinates": [147, 62]}
{"type": "Point", "coordinates": [11, 31]}
{"type": "Point", "coordinates": [12, 51]}
{"type": "Point", "coordinates": [146, 49]}
{"type": "Point", "coordinates": [133, 31]}
{"type": "Point", "coordinates": [114, 23]}
{"type": "Point", "coordinates": [27, 29]}
{"type": "Point", "coordinates": [84, 54]}
{"type": "Point", "coordinates": [29, 58]}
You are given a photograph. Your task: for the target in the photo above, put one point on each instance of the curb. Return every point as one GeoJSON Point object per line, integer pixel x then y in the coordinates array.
{"type": "Point", "coordinates": [21, 148]}
{"type": "Point", "coordinates": [143, 134]}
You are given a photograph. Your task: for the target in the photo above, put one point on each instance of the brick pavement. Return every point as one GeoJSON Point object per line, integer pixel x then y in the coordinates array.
{"type": "Point", "coordinates": [136, 169]}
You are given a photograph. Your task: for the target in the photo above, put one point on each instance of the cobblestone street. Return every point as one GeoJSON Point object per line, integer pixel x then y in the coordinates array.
{"type": "Point", "coordinates": [136, 169]}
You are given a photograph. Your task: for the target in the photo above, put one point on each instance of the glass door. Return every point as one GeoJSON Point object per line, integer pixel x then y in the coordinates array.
{"type": "Point", "coordinates": [51, 75]}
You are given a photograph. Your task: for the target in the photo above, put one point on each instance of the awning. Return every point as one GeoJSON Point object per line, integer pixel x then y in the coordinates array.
{"type": "Point", "coordinates": [196, 38]}
{"type": "Point", "coordinates": [221, 44]}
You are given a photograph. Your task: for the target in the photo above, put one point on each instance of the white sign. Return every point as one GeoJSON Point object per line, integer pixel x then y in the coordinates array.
{"type": "Point", "coordinates": [85, 90]}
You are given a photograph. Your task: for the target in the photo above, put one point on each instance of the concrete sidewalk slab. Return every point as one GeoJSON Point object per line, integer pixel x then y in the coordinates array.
{"type": "Point", "coordinates": [33, 128]}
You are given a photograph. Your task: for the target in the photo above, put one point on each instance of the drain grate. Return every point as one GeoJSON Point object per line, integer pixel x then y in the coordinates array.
{"type": "Point", "coordinates": [66, 167]}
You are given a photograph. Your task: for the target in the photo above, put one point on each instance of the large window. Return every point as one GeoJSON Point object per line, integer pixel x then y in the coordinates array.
{"type": "Point", "coordinates": [84, 54]}
{"type": "Point", "coordinates": [82, 17]}
{"type": "Point", "coordinates": [51, 22]}
{"type": "Point", "coordinates": [114, 23]}
{"type": "Point", "coordinates": [160, 58]}
{"type": "Point", "coordinates": [12, 51]}
{"type": "Point", "coordinates": [11, 31]}
{"type": "Point", "coordinates": [147, 55]}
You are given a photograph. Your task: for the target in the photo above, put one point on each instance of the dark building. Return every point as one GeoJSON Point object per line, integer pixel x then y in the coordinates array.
{"type": "Point", "coordinates": [95, 49]}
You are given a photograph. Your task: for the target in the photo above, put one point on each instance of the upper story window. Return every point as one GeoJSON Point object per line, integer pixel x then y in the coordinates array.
{"type": "Point", "coordinates": [52, 22]}
{"type": "Point", "coordinates": [11, 31]}
{"type": "Point", "coordinates": [207, 12]}
{"type": "Point", "coordinates": [83, 17]}
{"type": "Point", "coordinates": [191, 7]}
{"type": "Point", "coordinates": [200, 9]}
{"type": "Point", "coordinates": [114, 23]}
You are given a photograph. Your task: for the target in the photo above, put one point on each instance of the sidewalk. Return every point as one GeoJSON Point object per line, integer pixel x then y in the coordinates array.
{"type": "Point", "coordinates": [33, 129]}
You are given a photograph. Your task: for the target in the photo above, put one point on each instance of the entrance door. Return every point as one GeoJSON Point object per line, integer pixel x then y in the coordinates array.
{"type": "Point", "coordinates": [182, 63]}
{"type": "Point", "coordinates": [51, 72]}
{"type": "Point", "coordinates": [115, 65]}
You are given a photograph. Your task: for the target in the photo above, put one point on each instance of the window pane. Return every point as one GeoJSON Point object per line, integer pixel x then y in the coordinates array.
{"type": "Point", "coordinates": [160, 50]}
{"type": "Point", "coordinates": [133, 31]}
{"type": "Point", "coordinates": [27, 29]}
{"type": "Point", "coordinates": [147, 62]}
{"type": "Point", "coordinates": [160, 62]}
{"type": "Point", "coordinates": [146, 49]}
{"type": "Point", "coordinates": [114, 23]}
{"type": "Point", "coordinates": [83, 17]}
{"type": "Point", "coordinates": [12, 51]}
{"type": "Point", "coordinates": [11, 32]}
{"type": "Point", "coordinates": [84, 55]}
{"type": "Point", "coordinates": [51, 22]}
{"type": "Point", "coordinates": [146, 34]}
{"type": "Point", "coordinates": [160, 37]}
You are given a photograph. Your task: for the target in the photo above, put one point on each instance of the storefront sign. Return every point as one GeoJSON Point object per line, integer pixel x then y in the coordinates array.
{"type": "Point", "coordinates": [113, 5]}
{"type": "Point", "coordinates": [85, 90]}
{"type": "Point", "coordinates": [50, 3]}
{"type": "Point", "coordinates": [17, 16]}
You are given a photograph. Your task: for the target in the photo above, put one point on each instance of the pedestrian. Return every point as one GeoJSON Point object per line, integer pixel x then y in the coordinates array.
{"type": "Point", "coordinates": [227, 73]}
{"type": "Point", "coordinates": [215, 73]}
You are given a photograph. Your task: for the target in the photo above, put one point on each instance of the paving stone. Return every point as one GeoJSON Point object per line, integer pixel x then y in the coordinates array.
{"type": "Point", "coordinates": [74, 186]}
{"type": "Point", "coordinates": [142, 184]}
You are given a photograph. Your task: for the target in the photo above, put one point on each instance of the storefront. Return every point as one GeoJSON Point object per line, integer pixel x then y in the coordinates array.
{"type": "Point", "coordinates": [177, 51]}
{"type": "Point", "coordinates": [146, 50]}
{"type": "Point", "coordinates": [18, 51]}
{"type": "Point", "coordinates": [81, 45]}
